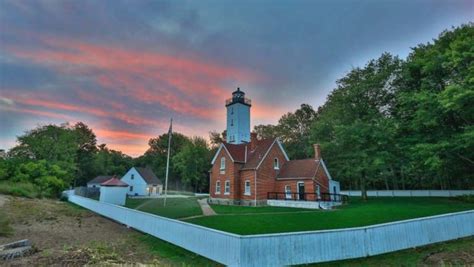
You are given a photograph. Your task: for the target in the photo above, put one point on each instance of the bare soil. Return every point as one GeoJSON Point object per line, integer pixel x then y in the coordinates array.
{"type": "Point", "coordinates": [63, 234]}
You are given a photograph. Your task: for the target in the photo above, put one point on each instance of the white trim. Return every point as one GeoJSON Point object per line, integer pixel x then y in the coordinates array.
{"type": "Point", "coordinates": [215, 190]}
{"type": "Point", "coordinates": [225, 187]}
{"type": "Point", "coordinates": [249, 192]}
{"type": "Point", "coordinates": [217, 153]}
{"type": "Point", "coordinates": [325, 169]}
{"type": "Point", "coordinates": [281, 147]}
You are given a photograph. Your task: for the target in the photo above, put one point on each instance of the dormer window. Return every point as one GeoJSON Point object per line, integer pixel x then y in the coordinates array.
{"type": "Point", "coordinates": [222, 169]}
{"type": "Point", "coordinates": [276, 164]}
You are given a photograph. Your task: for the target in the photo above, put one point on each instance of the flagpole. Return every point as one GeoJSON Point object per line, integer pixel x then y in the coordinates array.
{"type": "Point", "coordinates": [170, 133]}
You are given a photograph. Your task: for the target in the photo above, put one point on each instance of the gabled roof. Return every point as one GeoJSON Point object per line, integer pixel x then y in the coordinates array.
{"type": "Point", "coordinates": [148, 175]}
{"type": "Point", "coordinates": [114, 181]}
{"type": "Point", "coordinates": [100, 179]}
{"type": "Point", "coordinates": [258, 154]}
{"type": "Point", "coordinates": [237, 152]}
{"type": "Point", "coordinates": [302, 168]}
{"type": "Point", "coordinates": [251, 158]}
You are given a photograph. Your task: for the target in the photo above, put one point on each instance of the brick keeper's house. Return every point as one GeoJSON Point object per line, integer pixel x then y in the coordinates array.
{"type": "Point", "coordinates": [248, 171]}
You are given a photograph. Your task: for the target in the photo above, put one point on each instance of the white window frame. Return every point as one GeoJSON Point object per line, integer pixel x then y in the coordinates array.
{"type": "Point", "coordinates": [227, 187]}
{"type": "Point", "coordinates": [247, 187]}
{"type": "Point", "coordinates": [132, 176]}
{"type": "Point", "coordinates": [318, 192]}
{"type": "Point", "coordinates": [218, 187]}
{"type": "Point", "coordinates": [276, 164]}
{"type": "Point", "coordinates": [288, 194]}
{"type": "Point", "coordinates": [222, 167]}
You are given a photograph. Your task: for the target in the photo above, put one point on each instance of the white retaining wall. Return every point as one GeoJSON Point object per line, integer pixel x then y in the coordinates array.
{"type": "Point", "coordinates": [290, 248]}
{"type": "Point", "coordinates": [410, 193]}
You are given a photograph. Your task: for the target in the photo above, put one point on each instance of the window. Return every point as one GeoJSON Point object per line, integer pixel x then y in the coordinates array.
{"type": "Point", "coordinates": [276, 165]}
{"type": "Point", "coordinates": [227, 187]}
{"type": "Point", "coordinates": [222, 165]}
{"type": "Point", "coordinates": [131, 188]}
{"type": "Point", "coordinates": [247, 188]}
{"type": "Point", "coordinates": [287, 192]}
{"type": "Point", "coordinates": [318, 192]}
{"type": "Point", "coordinates": [218, 187]}
{"type": "Point", "coordinates": [231, 122]}
{"type": "Point", "coordinates": [133, 176]}
{"type": "Point", "coordinates": [232, 110]}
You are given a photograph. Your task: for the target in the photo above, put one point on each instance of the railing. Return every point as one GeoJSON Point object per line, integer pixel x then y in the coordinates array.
{"type": "Point", "coordinates": [324, 197]}
{"type": "Point", "coordinates": [242, 100]}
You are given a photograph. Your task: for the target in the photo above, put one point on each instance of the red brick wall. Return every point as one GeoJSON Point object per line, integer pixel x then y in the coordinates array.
{"type": "Point", "coordinates": [266, 174]}
{"type": "Point", "coordinates": [231, 173]}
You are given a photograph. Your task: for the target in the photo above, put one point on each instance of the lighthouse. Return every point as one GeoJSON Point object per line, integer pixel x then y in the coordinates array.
{"type": "Point", "coordinates": [238, 118]}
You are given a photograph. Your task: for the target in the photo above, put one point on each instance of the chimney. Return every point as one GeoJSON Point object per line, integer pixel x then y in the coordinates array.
{"type": "Point", "coordinates": [317, 151]}
{"type": "Point", "coordinates": [253, 141]}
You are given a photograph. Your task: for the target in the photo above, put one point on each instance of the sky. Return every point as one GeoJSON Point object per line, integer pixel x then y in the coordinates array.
{"type": "Point", "coordinates": [126, 67]}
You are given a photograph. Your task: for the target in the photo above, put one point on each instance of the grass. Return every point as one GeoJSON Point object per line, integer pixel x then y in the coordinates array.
{"type": "Point", "coordinates": [5, 228]}
{"type": "Point", "coordinates": [356, 213]}
{"type": "Point", "coordinates": [453, 253]}
{"type": "Point", "coordinates": [19, 189]}
{"type": "Point", "coordinates": [173, 254]}
{"type": "Point", "coordinates": [231, 209]}
{"type": "Point", "coordinates": [175, 207]}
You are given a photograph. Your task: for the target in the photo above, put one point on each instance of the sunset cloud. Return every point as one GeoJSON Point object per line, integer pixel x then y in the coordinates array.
{"type": "Point", "coordinates": [125, 68]}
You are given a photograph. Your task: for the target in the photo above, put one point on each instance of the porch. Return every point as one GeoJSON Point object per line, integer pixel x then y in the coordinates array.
{"type": "Point", "coordinates": [305, 200]}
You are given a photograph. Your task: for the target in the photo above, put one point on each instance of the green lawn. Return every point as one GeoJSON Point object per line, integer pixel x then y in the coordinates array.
{"type": "Point", "coordinates": [453, 253]}
{"type": "Point", "coordinates": [356, 213]}
{"type": "Point", "coordinates": [231, 209]}
{"type": "Point", "coordinates": [175, 207]}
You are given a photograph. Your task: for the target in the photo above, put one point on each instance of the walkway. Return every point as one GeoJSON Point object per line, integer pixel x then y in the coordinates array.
{"type": "Point", "coordinates": [206, 209]}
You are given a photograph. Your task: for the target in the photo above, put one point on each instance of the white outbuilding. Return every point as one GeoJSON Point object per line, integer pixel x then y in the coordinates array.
{"type": "Point", "coordinates": [142, 182]}
{"type": "Point", "coordinates": [113, 191]}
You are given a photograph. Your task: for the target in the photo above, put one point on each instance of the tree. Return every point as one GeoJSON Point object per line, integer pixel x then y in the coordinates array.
{"type": "Point", "coordinates": [192, 163]}
{"type": "Point", "coordinates": [354, 126]}
{"type": "Point", "coordinates": [155, 156]}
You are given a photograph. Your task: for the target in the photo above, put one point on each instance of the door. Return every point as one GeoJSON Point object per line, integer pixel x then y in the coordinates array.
{"type": "Point", "coordinates": [287, 192]}
{"type": "Point", "coordinates": [154, 190]}
{"type": "Point", "coordinates": [301, 191]}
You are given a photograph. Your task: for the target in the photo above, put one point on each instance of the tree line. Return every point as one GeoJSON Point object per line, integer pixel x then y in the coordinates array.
{"type": "Point", "coordinates": [51, 158]}
{"type": "Point", "coordinates": [393, 123]}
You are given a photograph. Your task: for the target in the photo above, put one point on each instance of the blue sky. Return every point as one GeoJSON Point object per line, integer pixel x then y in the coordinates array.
{"type": "Point", "coordinates": [125, 67]}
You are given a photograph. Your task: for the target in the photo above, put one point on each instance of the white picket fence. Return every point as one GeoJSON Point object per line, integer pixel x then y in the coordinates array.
{"type": "Point", "coordinates": [290, 248]}
{"type": "Point", "coordinates": [410, 193]}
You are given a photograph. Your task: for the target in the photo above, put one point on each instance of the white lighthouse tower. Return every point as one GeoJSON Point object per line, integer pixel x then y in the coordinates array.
{"type": "Point", "coordinates": [238, 118]}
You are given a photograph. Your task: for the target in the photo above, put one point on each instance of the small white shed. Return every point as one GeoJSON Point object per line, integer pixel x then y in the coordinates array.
{"type": "Point", "coordinates": [113, 191]}
{"type": "Point", "coordinates": [142, 182]}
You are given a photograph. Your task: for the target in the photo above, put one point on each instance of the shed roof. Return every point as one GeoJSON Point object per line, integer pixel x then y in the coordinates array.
{"type": "Point", "coordinates": [100, 179]}
{"type": "Point", "coordinates": [302, 168]}
{"type": "Point", "coordinates": [114, 181]}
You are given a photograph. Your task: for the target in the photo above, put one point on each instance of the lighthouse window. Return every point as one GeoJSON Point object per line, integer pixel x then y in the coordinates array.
{"type": "Point", "coordinates": [232, 122]}
{"type": "Point", "coordinates": [232, 110]}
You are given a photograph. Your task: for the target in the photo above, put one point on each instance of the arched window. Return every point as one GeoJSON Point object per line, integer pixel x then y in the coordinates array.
{"type": "Point", "coordinates": [222, 164]}
{"type": "Point", "coordinates": [276, 164]}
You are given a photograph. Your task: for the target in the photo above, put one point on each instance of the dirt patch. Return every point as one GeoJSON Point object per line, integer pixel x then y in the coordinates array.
{"type": "Point", "coordinates": [64, 234]}
{"type": "Point", "coordinates": [451, 258]}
